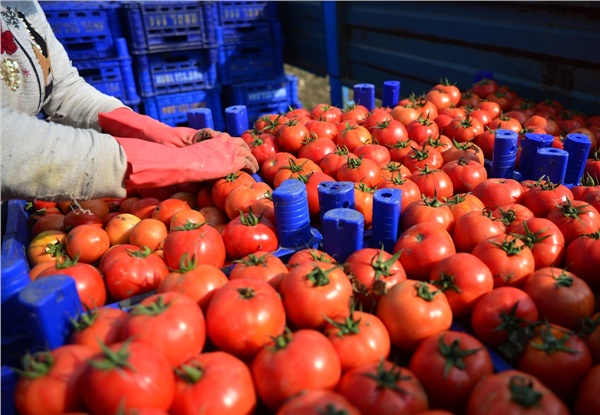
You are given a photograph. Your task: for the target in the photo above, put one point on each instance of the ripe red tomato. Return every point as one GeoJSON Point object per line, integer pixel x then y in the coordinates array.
{"type": "Point", "coordinates": [272, 164]}
{"type": "Point", "coordinates": [425, 312]}
{"type": "Point", "coordinates": [130, 375]}
{"type": "Point", "coordinates": [222, 187]}
{"type": "Point", "coordinates": [171, 322]}
{"type": "Point", "coordinates": [312, 190]}
{"type": "Point", "coordinates": [495, 192]}
{"type": "Point", "coordinates": [502, 310]}
{"type": "Point", "coordinates": [433, 182]}
{"type": "Point", "coordinates": [400, 149]}
{"type": "Point", "coordinates": [248, 234]}
{"type": "Point", "coordinates": [322, 129]}
{"type": "Point", "coordinates": [464, 279]}
{"type": "Point", "coordinates": [475, 227]}
{"type": "Point", "coordinates": [264, 146]}
{"type": "Point", "coordinates": [167, 208]}
{"type": "Point", "coordinates": [439, 98]}
{"type": "Point", "coordinates": [326, 112]}
{"type": "Point", "coordinates": [588, 396]}
{"type": "Point", "coordinates": [582, 258]}
{"type": "Point", "coordinates": [260, 265]}
{"type": "Point", "coordinates": [352, 136]}
{"type": "Point", "coordinates": [427, 209]}
{"type": "Point", "coordinates": [485, 87]}
{"type": "Point", "coordinates": [316, 150]}
{"type": "Point", "coordinates": [152, 232]}
{"type": "Point", "coordinates": [354, 113]}
{"type": "Point", "coordinates": [98, 326]}
{"type": "Point", "coordinates": [462, 203]}
{"type": "Point", "coordinates": [316, 402]}
{"type": "Point", "coordinates": [449, 365]}
{"type": "Point", "coordinates": [202, 242]}
{"type": "Point", "coordinates": [360, 170]}
{"type": "Point", "coordinates": [79, 216]}
{"type": "Point", "coordinates": [293, 362]}
{"type": "Point", "coordinates": [294, 170]}
{"type": "Point", "coordinates": [389, 132]}
{"type": "Point", "coordinates": [378, 116]}
{"type": "Point", "coordinates": [468, 150]}
{"type": "Point", "coordinates": [144, 207]}
{"type": "Point", "coordinates": [270, 123]}
{"type": "Point", "coordinates": [291, 136]}
{"type": "Point", "coordinates": [383, 388]}
{"type": "Point", "coordinates": [372, 151]}
{"type": "Point", "coordinates": [545, 240]}
{"type": "Point", "coordinates": [512, 215]}
{"type": "Point", "coordinates": [422, 129]}
{"type": "Point", "coordinates": [514, 392]}
{"type": "Point", "coordinates": [331, 163]}
{"type": "Point", "coordinates": [313, 291]}
{"type": "Point", "coordinates": [363, 202]}
{"type": "Point", "coordinates": [410, 190]}
{"type": "Point", "coordinates": [464, 174]}
{"type": "Point", "coordinates": [213, 383]}
{"type": "Point", "coordinates": [243, 316]}
{"type": "Point", "coordinates": [543, 196]}
{"type": "Point", "coordinates": [87, 243]}
{"type": "Point", "coordinates": [574, 218]}
{"type": "Point", "coordinates": [463, 130]}
{"type": "Point", "coordinates": [49, 381]}
{"type": "Point", "coordinates": [47, 222]}
{"type": "Point", "coordinates": [309, 255]}
{"type": "Point", "coordinates": [418, 159]}
{"type": "Point", "coordinates": [241, 198]}
{"type": "Point", "coordinates": [422, 246]}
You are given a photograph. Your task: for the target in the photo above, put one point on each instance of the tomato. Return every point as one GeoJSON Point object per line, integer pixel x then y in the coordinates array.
{"type": "Point", "coordinates": [293, 362]}
{"type": "Point", "coordinates": [558, 358]}
{"type": "Point", "coordinates": [316, 402]}
{"type": "Point", "coordinates": [144, 208]}
{"type": "Point", "coordinates": [313, 291]}
{"type": "Point", "coordinates": [360, 170]}
{"type": "Point", "coordinates": [410, 190]}
{"type": "Point", "coordinates": [202, 242]}
{"type": "Point", "coordinates": [469, 98]}
{"type": "Point", "coordinates": [213, 383]}
{"type": "Point", "coordinates": [475, 227]}
{"type": "Point", "coordinates": [34, 216]}
{"type": "Point", "coordinates": [383, 388]}
{"type": "Point", "coordinates": [222, 187]}
{"type": "Point", "coordinates": [46, 223]}
{"type": "Point", "coordinates": [495, 192]}
{"type": "Point", "coordinates": [261, 265]}
{"type": "Point", "coordinates": [167, 208]}
{"type": "Point", "coordinates": [465, 174]}
{"type": "Point", "coordinates": [439, 98]}
{"type": "Point", "coordinates": [322, 129]}
{"type": "Point", "coordinates": [449, 365]}
{"type": "Point", "coordinates": [468, 150]}
{"type": "Point", "coordinates": [98, 326]}
{"type": "Point", "coordinates": [265, 207]}
{"type": "Point", "coordinates": [130, 375]}
{"type": "Point", "coordinates": [424, 308]}
{"type": "Point", "coordinates": [485, 141]}
{"type": "Point", "coordinates": [427, 209]}
{"type": "Point", "coordinates": [405, 113]}
{"type": "Point", "coordinates": [463, 130]}
{"type": "Point", "coordinates": [363, 202]}
{"type": "Point", "coordinates": [352, 136]}
{"type": "Point", "coordinates": [544, 196]}
{"type": "Point", "coordinates": [400, 149]}
{"type": "Point", "coordinates": [388, 132]}
{"type": "Point", "coordinates": [150, 232]}
{"type": "Point", "coordinates": [273, 163]}
{"type": "Point", "coordinates": [270, 123]}
{"type": "Point", "coordinates": [47, 246]}
{"type": "Point", "coordinates": [433, 183]}
{"type": "Point", "coordinates": [326, 112]}
{"type": "Point", "coordinates": [388, 170]}
{"type": "Point", "coordinates": [188, 197]}
{"type": "Point", "coordinates": [513, 392]}
{"type": "Point", "coordinates": [462, 203]}
{"type": "Point", "coordinates": [316, 150]}
{"type": "Point", "coordinates": [582, 257]}
{"type": "Point", "coordinates": [119, 227]}
{"type": "Point", "coordinates": [574, 218]}
{"type": "Point", "coordinates": [373, 272]}
{"type": "Point", "coordinates": [421, 129]}
{"type": "Point", "coordinates": [133, 272]}
{"type": "Point", "coordinates": [291, 136]}
{"type": "Point", "coordinates": [331, 163]}
{"type": "Point", "coordinates": [298, 113]}
{"type": "Point", "coordinates": [587, 400]}
{"type": "Point", "coordinates": [88, 280]}
{"type": "Point", "coordinates": [376, 152]}
{"type": "Point", "coordinates": [354, 113]}
{"type": "Point", "coordinates": [484, 116]}
{"type": "Point", "coordinates": [500, 312]}
{"type": "Point", "coordinates": [213, 216]}
{"type": "Point", "coordinates": [295, 169]}
{"type": "Point", "coordinates": [418, 159]}
{"type": "Point", "coordinates": [464, 279]}
{"type": "Point", "coordinates": [512, 215]}
{"type": "Point", "coordinates": [545, 240]}
{"type": "Point", "coordinates": [560, 296]}
{"type": "Point", "coordinates": [247, 234]}
{"type": "Point", "coordinates": [485, 87]}
{"type": "Point", "coordinates": [309, 255]}
{"type": "Point", "coordinates": [48, 385]}
{"type": "Point", "coordinates": [422, 246]}
{"type": "Point", "coordinates": [240, 199]}
{"type": "Point", "coordinates": [264, 146]}
{"type": "Point", "coordinates": [377, 116]}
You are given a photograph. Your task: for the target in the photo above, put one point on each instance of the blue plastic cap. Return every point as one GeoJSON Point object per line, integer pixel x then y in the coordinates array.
{"type": "Point", "coordinates": [236, 118]}
{"type": "Point", "coordinates": [578, 146]}
{"type": "Point", "coordinates": [343, 232]}
{"type": "Point", "coordinates": [529, 147]}
{"type": "Point", "coordinates": [334, 195]}
{"type": "Point", "coordinates": [391, 94]}
{"type": "Point", "coordinates": [387, 206]}
{"type": "Point", "coordinates": [50, 303]}
{"type": "Point", "coordinates": [199, 118]}
{"type": "Point", "coordinates": [292, 215]}
{"type": "Point", "coordinates": [551, 163]}
{"type": "Point", "coordinates": [364, 94]}
{"type": "Point", "coordinates": [505, 154]}
{"type": "Point", "coordinates": [482, 74]}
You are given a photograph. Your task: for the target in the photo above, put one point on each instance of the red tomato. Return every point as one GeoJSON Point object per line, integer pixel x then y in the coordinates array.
{"type": "Point", "coordinates": [360, 170]}
{"type": "Point", "coordinates": [425, 312]}
{"type": "Point", "coordinates": [377, 116]}
{"type": "Point", "coordinates": [410, 190]}
{"type": "Point", "coordinates": [326, 112]}
{"type": "Point", "coordinates": [171, 322]}
{"type": "Point", "coordinates": [322, 129]}
{"type": "Point", "coordinates": [143, 208]}
{"type": "Point", "coordinates": [422, 246]}
{"type": "Point", "coordinates": [421, 129]}
{"type": "Point", "coordinates": [433, 183]}
{"type": "Point", "coordinates": [544, 196]}
{"type": "Point", "coordinates": [574, 218]}
{"type": "Point", "coordinates": [120, 226]}
{"type": "Point", "coordinates": [514, 392]}
{"type": "Point", "coordinates": [316, 402]}
{"type": "Point", "coordinates": [389, 132]}
{"type": "Point", "coordinates": [270, 123]}
{"type": "Point", "coordinates": [464, 279]}
{"type": "Point", "coordinates": [248, 234]}
{"type": "Point", "coordinates": [272, 164]}
{"type": "Point", "coordinates": [427, 209]}
{"type": "Point", "coordinates": [418, 159]}
{"type": "Point", "coordinates": [49, 222]}
{"type": "Point", "coordinates": [388, 170]}
{"type": "Point", "coordinates": [316, 150]}
{"type": "Point", "coordinates": [582, 257]}
{"type": "Point", "coordinates": [352, 136]}
{"type": "Point", "coordinates": [312, 190]}
{"type": "Point", "coordinates": [167, 208]}
{"type": "Point", "coordinates": [264, 146]}
{"type": "Point", "coordinates": [331, 163]}
{"type": "Point", "coordinates": [485, 87]}
{"type": "Point", "coordinates": [49, 381]}
{"type": "Point", "coordinates": [405, 113]}
{"type": "Point", "coordinates": [462, 203]}
{"type": "Point", "coordinates": [495, 192]}
{"type": "Point", "coordinates": [309, 255]}
{"type": "Point", "coordinates": [313, 291]}
{"type": "Point", "coordinates": [464, 174]}
{"type": "Point", "coordinates": [291, 136]}
{"type": "Point", "coordinates": [243, 316]}
{"type": "Point", "coordinates": [363, 202]}
{"type": "Point", "coordinates": [98, 326]}
{"type": "Point", "coordinates": [512, 215]}
{"type": "Point", "coordinates": [133, 375]}
{"type": "Point", "coordinates": [501, 311]}
{"type": "Point", "coordinates": [383, 388]}
{"type": "Point", "coordinates": [463, 130]}
{"type": "Point", "coordinates": [292, 362]}
{"type": "Point", "coordinates": [449, 365]}
{"type": "Point", "coordinates": [240, 199]}
{"type": "Point", "coordinates": [372, 151]}
{"type": "Point", "coordinates": [87, 243]}
{"type": "Point", "coordinates": [587, 400]}
{"type": "Point", "coordinates": [354, 113]}
{"type": "Point", "coordinates": [545, 240]}
{"type": "Point", "coordinates": [400, 149]}
{"type": "Point", "coordinates": [202, 242]}
{"type": "Point", "coordinates": [152, 232]}
{"type": "Point", "coordinates": [222, 187]}
{"type": "Point", "coordinates": [79, 216]}
{"type": "Point", "coordinates": [261, 265]}
{"type": "Point", "coordinates": [475, 227]}
{"type": "Point", "coordinates": [468, 150]}
{"type": "Point", "coordinates": [295, 169]}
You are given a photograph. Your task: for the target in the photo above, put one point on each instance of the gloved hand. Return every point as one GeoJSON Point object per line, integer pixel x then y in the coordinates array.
{"type": "Point", "coordinates": [155, 165]}
{"type": "Point", "coordinates": [124, 122]}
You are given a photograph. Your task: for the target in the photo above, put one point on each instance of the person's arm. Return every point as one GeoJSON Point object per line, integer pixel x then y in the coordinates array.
{"type": "Point", "coordinates": [57, 162]}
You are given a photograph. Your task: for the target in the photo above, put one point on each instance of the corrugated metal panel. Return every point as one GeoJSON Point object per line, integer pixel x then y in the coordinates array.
{"type": "Point", "coordinates": [542, 49]}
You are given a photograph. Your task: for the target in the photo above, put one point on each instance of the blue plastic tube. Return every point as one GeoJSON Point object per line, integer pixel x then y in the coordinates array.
{"type": "Point", "coordinates": [578, 147]}
{"type": "Point", "coordinates": [291, 214]}
{"type": "Point", "coordinates": [236, 118]}
{"type": "Point", "coordinates": [387, 206]}
{"type": "Point", "coordinates": [391, 94]}
{"type": "Point", "coordinates": [333, 195]}
{"type": "Point", "coordinates": [551, 163]}
{"type": "Point", "coordinates": [364, 94]}
{"type": "Point", "coordinates": [505, 154]}
{"type": "Point", "coordinates": [529, 148]}
{"type": "Point", "coordinates": [343, 232]}
{"type": "Point", "coordinates": [199, 118]}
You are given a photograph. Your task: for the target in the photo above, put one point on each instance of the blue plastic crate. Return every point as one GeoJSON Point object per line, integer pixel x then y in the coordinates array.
{"type": "Point", "coordinates": [248, 61]}
{"type": "Point", "coordinates": [160, 26]}
{"type": "Point", "coordinates": [179, 71]}
{"type": "Point", "coordinates": [292, 90]}
{"type": "Point", "coordinates": [113, 77]}
{"type": "Point", "coordinates": [172, 109]}
{"type": "Point", "coordinates": [85, 29]}
{"type": "Point", "coordinates": [241, 21]}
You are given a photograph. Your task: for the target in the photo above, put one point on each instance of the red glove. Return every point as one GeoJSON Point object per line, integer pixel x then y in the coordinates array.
{"type": "Point", "coordinates": [156, 165]}
{"type": "Point", "coordinates": [124, 122]}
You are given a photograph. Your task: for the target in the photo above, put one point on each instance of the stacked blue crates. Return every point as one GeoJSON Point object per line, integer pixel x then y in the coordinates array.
{"type": "Point", "coordinates": [91, 33]}
{"type": "Point", "coordinates": [250, 59]}
{"type": "Point", "coordinates": [174, 52]}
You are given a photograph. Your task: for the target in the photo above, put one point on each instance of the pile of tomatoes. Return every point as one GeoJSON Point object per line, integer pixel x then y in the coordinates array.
{"type": "Point", "coordinates": [483, 267]}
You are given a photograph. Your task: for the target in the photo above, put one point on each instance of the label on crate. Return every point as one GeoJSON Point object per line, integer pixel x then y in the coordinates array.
{"type": "Point", "coordinates": [182, 108]}
{"type": "Point", "coordinates": [172, 19]}
{"type": "Point", "coordinates": [260, 96]}
{"type": "Point", "coordinates": [183, 76]}
{"type": "Point", "coordinates": [248, 13]}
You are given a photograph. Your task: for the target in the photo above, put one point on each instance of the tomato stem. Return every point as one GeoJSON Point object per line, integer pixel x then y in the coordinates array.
{"type": "Point", "coordinates": [454, 356]}
{"type": "Point", "coordinates": [36, 365]}
{"type": "Point", "coordinates": [522, 392]}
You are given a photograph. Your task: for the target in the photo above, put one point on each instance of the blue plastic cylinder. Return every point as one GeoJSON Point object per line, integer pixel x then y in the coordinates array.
{"type": "Point", "coordinates": [333, 195]}
{"type": "Point", "coordinates": [199, 118]}
{"type": "Point", "coordinates": [343, 232]}
{"type": "Point", "coordinates": [387, 206]}
{"type": "Point", "coordinates": [364, 94]}
{"type": "Point", "coordinates": [505, 154]}
{"type": "Point", "coordinates": [292, 216]}
{"type": "Point", "coordinates": [236, 118]}
{"type": "Point", "coordinates": [578, 147]}
{"type": "Point", "coordinates": [551, 163]}
{"type": "Point", "coordinates": [391, 94]}
{"type": "Point", "coordinates": [9, 383]}
{"type": "Point", "coordinates": [50, 303]}
{"type": "Point", "coordinates": [121, 47]}
{"type": "Point", "coordinates": [529, 148]}
{"type": "Point", "coordinates": [482, 74]}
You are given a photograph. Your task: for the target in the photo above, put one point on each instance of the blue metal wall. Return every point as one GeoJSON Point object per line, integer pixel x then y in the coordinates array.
{"type": "Point", "coordinates": [542, 49]}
